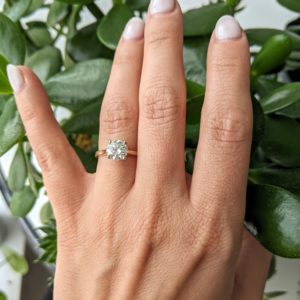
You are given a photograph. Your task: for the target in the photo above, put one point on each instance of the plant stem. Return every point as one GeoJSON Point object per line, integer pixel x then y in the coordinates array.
{"type": "Point", "coordinates": [73, 20]}
{"type": "Point", "coordinates": [233, 3]}
{"type": "Point", "coordinates": [117, 2]}
{"type": "Point", "coordinates": [95, 11]}
{"type": "Point", "coordinates": [59, 33]}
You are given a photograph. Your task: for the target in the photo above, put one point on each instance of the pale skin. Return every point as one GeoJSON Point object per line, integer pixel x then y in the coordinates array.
{"type": "Point", "coordinates": [142, 228]}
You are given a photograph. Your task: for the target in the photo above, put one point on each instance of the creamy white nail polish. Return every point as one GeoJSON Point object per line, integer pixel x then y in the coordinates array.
{"type": "Point", "coordinates": [161, 6]}
{"type": "Point", "coordinates": [228, 28]}
{"type": "Point", "coordinates": [15, 77]}
{"type": "Point", "coordinates": [134, 29]}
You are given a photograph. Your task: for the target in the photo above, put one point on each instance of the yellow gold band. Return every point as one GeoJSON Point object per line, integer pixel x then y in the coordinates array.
{"type": "Point", "coordinates": [101, 153]}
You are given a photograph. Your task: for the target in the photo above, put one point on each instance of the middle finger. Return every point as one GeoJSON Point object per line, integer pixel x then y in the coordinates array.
{"type": "Point", "coordinates": [161, 131]}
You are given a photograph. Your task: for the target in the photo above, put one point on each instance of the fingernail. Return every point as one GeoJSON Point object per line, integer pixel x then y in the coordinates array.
{"type": "Point", "coordinates": [134, 29]}
{"type": "Point", "coordinates": [161, 6]}
{"type": "Point", "coordinates": [15, 77]}
{"type": "Point", "coordinates": [228, 28]}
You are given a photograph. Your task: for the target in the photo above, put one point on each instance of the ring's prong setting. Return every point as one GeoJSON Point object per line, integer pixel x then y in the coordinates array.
{"type": "Point", "coordinates": [117, 150]}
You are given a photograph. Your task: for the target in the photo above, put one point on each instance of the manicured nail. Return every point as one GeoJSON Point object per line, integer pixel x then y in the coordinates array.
{"type": "Point", "coordinates": [228, 28]}
{"type": "Point", "coordinates": [15, 77]}
{"type": "Point", "coordinates": [161, 6]}
{"type": "Point", "coordinates": [134, 29]}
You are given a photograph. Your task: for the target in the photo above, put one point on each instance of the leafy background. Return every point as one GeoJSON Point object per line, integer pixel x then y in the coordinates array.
{"type": "Point", "coordinates": [76, 79]}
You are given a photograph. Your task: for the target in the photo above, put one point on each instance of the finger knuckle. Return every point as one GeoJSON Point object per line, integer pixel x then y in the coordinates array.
{"type": "Point", "coordinates": [223, 246]}
{"type": "Point", "coordinates": [225, 65]}
{"type": "Point", "coordinates": [216, 235]}
{"type": "Point", "coordinates": [212, 223]}
{"type": "Point", "coordinates": [161, 103]}
{"type": "Point", "coordinates": [215, 230]}
{"type": "Point", "coordinates": [124, 58]}
{"type": "Point", "coordinates": [28, 114]}
{"type": "Point", "coordinates": [48, 156]}
{"type": "Point", "coordinates": [229, 126]}
{"type": "Point", "coordinates": [157, 38]}
{"type": "Point", "coordinates": [117, 117]}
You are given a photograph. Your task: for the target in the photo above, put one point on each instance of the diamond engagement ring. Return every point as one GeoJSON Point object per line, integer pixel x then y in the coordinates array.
{"type": "Point", "coordinates": [116, 150]}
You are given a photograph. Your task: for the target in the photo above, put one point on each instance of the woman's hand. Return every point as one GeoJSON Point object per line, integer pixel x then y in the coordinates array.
{"type": "Point", "coordinates": [142, 228]}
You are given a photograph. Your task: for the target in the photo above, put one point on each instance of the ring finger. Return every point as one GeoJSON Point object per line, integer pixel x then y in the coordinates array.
{"type": "Point", "coordinates": [119, 112]}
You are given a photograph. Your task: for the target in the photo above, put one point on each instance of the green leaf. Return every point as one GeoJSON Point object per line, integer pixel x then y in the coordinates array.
{"type": "Point", "coordinates": [77, 86]}
{"type": "Point", "coordinates": [84, 45]}
{"type": "Point", "coordinates": [192, 135]}
{"type": "Point", "coordinates": [87, 158]}
{"type": "Point", "coordinates": [201, 21]}
{"type": "Point", "coordinates": [45, 62]}
{"type": "Point", "coordinates": [288, 179]}
{"type": "Point", "coordinates": [5, 87]}
{"type": "Point", "coordinates": [258, 125]}
{"type": "Point", "coordinates": [11, 127]}
{"type": "Point", "coordinates": [76, 1]}
{"type": "Point", "coordinates": [292, 65]}
{"type": "Point", "coordinates": [46, 213]}
{"type": "Point", "coordinates": [294, 28]}
{"type": "Point", "coordinates": [39, 34]}
{"type": "Point", "coordinates": [194, 90]}
{"type": "Point", "coordinates": [259, 36]}
{"type": "Point", "coordinates": [141, 5]}
{"type": "Point", "coordinates": [18, 9]}
{"type": "Point", "coordinates": [17, 262]}
{"type": "Point", "coordinates": [2, 296]}
{"type": "Point", "coordinates": [275, 294]}
{"type": "Point", "coordinates": [274, 213]}
{"type": "Point", "coordinates": [189, 159]}
{"type": "Point", "coordinates": [57, 13]}
{"type": "Point", "coordinates": [273, 54]}
{"type": "Point", "coordinates": [258, 159]}
{"type": "Point", "coordinates": [194, 56]}
{"type": "Point", "coordinates": [117, 2]}
{"type": "Point", "coordinates": [281, 141]}
{"type": "Point", "coordinates": [34, 177]}
{"type": "Point", "coordinates": [233, 3]}
{"type": "Point", "coordinates": [195, 99]}
{"type": "Point", "coordinates": [264, 86]}
{"type": "Point", "coordinates": [18, 171]}
{"type": "Point", "coordinates": [292, 111]}
{"type": "Point", "coordinates": [112, 25]}
{"type": "Point", "coordinates": [290, 4]}
{"type": "Point", "coordinates": [272, 268]}
{"type": "Point", "coordinates": [35, 4]}
{"type": "Point", "coordinates": [84, 121]}
{"type": "Point", "coordinates": [280, 98]}
{"type": "Point", "coordinates": [12, 45]}
{"type": "Point", "coordinates": [48, 243]}
{"type": "Point", "coordinates": [3, 100]}
{"type": "Point", "coordinates": [295, 55]}
{"type": "Point", "coordinates": [22, 202]}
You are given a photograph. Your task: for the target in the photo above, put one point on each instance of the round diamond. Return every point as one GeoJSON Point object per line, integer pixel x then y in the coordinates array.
{"type": "Point", "coordinates": [117, 150]}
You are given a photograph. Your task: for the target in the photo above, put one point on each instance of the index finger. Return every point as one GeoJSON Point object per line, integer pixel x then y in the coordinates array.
{"type": "Point", "coordinates": [62, 170]}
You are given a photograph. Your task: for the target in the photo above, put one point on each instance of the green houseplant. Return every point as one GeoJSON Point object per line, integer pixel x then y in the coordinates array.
{"type": "Point", "coordinates": [76, 78]}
